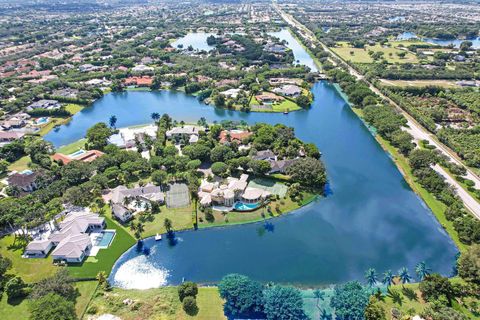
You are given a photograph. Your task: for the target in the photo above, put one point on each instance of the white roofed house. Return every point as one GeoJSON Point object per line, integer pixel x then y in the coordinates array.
{"type": "Point", "coordinates": [184, 133]}
{"type": "Point", "coordinates": [126, 202]}
{"type": "Point", "coordinates": [289, 90]}
{"type": "Point", "coordinates": [71, 241]}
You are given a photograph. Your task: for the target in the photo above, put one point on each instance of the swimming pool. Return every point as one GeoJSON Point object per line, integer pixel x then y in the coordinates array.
{"type": "Point", "coordinates": [241, 206]}
{"type": "Point", "coordinates": [41, 120]}
{"type": "Point", "coordinates": [104, 238]}
{"type": "Point", "coordinates": [77, 153]}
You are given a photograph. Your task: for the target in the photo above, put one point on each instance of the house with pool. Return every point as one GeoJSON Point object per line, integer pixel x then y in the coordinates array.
{"type": "Point", "coordinates": [231, 194]}
{"type": "Point", "coordinates": [80, 234]}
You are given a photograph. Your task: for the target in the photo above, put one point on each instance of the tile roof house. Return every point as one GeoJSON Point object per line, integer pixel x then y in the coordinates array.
{"type": "Point", "coordinates": [290, 90]}
{"type": "Point", "coordinates": [233, 135]}
{"type": "Point", "coordinates": [87, 156]}
{"type": "Point", "coordinates": [144, 195]}
{"type": "Point", "coordinates": [24, 180]}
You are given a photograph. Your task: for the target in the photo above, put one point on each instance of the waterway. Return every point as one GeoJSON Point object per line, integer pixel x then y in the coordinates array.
{"type": "Point", "coordinates": [455, 42]}
{"type": "Point", "coordinates": [370, 219]}
{"type": "Point", "coordinates": [198, 41]}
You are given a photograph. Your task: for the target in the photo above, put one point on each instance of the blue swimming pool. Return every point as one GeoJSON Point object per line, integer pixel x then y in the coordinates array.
{"type": "Point", "coordinates": [42, 120]}
{"type": "Point", "coordinates": [241, 206]}
{"type": "Point", "coordinates": [77, 153]}
{"type": "Point", "coordinates": [105, 238]}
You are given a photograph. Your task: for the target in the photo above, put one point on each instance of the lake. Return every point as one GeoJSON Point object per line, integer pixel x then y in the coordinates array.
{"type": "Point", "coordinates": [301, 56]}
{"type": "Point", "coordinates": [198, 40]}
{"type": "Point", "coordinates": [371, 219]}
{"type": "Point", "coordinates": [456, 42]}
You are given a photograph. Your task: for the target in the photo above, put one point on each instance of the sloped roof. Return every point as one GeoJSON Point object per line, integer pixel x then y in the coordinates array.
{"type": "Point", "coordinates": [73, 246]}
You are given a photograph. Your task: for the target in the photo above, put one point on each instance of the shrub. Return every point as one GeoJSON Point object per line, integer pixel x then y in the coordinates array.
{"type": "Point", "coordinates": [187, 289]}
{"type": "Point", "coordinates": [190, 306]}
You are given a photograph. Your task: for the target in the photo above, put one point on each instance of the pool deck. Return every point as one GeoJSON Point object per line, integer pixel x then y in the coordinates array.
{"type": "Point", "coordinates": [94, 236]}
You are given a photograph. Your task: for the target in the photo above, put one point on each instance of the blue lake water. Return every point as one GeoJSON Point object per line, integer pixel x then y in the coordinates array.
{"type": "Point", "coordinates": [371, 219]}
{"type": "Point", "coordinates": [456, 42]}
{"type": "Point", "coordinates": [198, 40]}
{"type": "Point", "coordinates": [300, 54]}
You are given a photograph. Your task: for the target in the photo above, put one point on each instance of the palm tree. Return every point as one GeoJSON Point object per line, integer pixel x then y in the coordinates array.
{"type": "Point", "coordinates": [155, 116]}
{"type": "Point", "coordinates": [113, 121]}
{"type": "Point", "coordinates": [167, 223]}
{"type": "Point", "coordinates": [388, 278]}
{"type": "Point", "coordinates": [371, 276]}
{"type": "Point", "coordinates": [404, 275]}
{"type": "Point", "coordinates": [318, 294]}
{"type": "Point", "coordinates": [422, 270]}
{"type": "Point", "coordinates": [127, 201]}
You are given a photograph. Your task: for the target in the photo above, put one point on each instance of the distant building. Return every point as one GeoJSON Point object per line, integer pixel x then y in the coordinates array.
{"type": "Point", "coordinates": [44, 104]}
{"type": "Point", "coordinates": [289, 90]}
{"type": "Point", "coordinates": [25, 181]}
{"type": "Point", "coordinates": [87, 156]}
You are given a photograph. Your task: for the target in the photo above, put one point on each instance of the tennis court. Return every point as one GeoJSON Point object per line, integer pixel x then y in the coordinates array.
{"type": "Point", "coordinates": [269, 185]}
{"type": "Point", "coordinates": [178, 196]}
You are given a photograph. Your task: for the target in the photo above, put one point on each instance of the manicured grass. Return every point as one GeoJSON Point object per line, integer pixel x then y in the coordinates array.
{"type": "Point", "coordinates": [181, 219]}
{"type": "Point", "coordinates": [419, 83]}
{"type": "Point", "coordinates": [71, 148]}
{"type": "Point", "coordinates": [73, 108]}
{"type": "Point", "coordinates": [285, 105]}
{"type": "Point", "coordinates": [161, 303]}
{"type": "Point", "coordinates": [31, 270]}
{"type": "Point", "coordinates": [286, 205]}
{"type": "Point", "coordinates": [86, 290]}
{"type": "Point", "coordinates": [13, 310]}
{"type": "Point", "coordinates": [105, 257]}
{"type": "Point", "coordinates": [20, 165]}
{"type": "Point", "coordinates": [360, 55]}
{"type": "Point", "coordinates": [51, 124]}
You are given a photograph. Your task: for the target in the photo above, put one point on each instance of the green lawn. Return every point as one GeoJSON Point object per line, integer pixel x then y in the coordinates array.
{"type": "Point", "coordinates": [86, 290]}
{"type": "Point", "coordinates": [73, 108]}
{"type": "Point", "coordinates": [361, 55]}
{"type": "Point", "coordinates": [269, 185]}
{"type": "Point", "coordinates": [286, 205]}
{"type": "Point", "coordinates": [181, 219]}
{"type": "Point", "coordinates": [20, 165]}
{"type": "Point", "coordinates": [161, 303]}
{"type": "Point", "coordinates": [105, 257]}
{"type": "Point", "coordinates": [285, 105]}
{"type": "Point", "coordinates": [72, 147]}
{"type": "Point", "coordinates": [52, 123]}
{"type": "Point", "coordinates": [16, 310]}
{"type": "Point", "coordinates": [31, 270]}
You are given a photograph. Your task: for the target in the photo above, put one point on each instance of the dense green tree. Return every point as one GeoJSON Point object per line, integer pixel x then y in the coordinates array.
{"type": "Point", "coordinates": [303, 101]}
{"type": "Point", "coordinates": [435, 286]}
{"type": "Point", "coordinates": [221, 153]}
{"type": "Point", "coordinates": [259, 167]}
{"type": "Point", "coordinates": [97, 136]}
{"type": "Point", "coordinates": [420, 158]}
{"type": "Point", "coordinates": [189, 305]}
{"type": "Point", "coordinates": [439, 312]}
{"type": "Point", "coordinates": [350, 300]}
{"type": "Point", "coordinates": [283, 303]}
{"type": "Point", "coordinates": [242, 295]}
{"type": "Point", "coordinates": [187, 289]}
{"type": "Point", "coordinates": [219, 168]}
{"type": "Point", "coordinates": [468, 264]}
{"type": "Point", "coordinates": [309, 172]}
{"type": "Point", "coordinates": [15, 288]}
{"type": "Point", "coordinates": [52, 307]}
{"type": "Point", "coordinates": [197, 151]}
{"type": "Point", "coordinates": [374, 310]}
{"type": "Point", "coordinates": [60, 283]}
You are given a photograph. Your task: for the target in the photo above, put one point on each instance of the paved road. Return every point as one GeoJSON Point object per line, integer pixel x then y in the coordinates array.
{"type": "Point", "coordinates": [413, 127]}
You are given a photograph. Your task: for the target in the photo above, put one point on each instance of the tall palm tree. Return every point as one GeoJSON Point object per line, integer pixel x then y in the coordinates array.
{"type": "Point", "coordinates": [371, 276]}
{"type": "Point", "coordinates": [388, 278]}
{"type": "Point", "coordinates": [155, 116]}
{"type": "Point", "coordinates": [167, 223]}
{"type": "Point", "coordinates": [113, 121]}
{"type": "Point", "coordinates": [404, 275]}
{"type": "Point", "coordinates": [318, 294]}
{"type": "Point", "coordinates": [422, 270]}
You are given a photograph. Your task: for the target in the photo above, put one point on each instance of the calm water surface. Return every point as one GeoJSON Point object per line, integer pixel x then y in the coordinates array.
{"type": "Point", "coordinates": [456, 42]}
{"type": "Point", "coordinates": [371, 219]}
{"type": "Point", "coordinates": [198, 40]}
{"type": "Point", "coordinates": [300, 54]}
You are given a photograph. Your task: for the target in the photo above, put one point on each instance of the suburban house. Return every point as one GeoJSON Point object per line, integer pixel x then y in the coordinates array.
{"type": "Point", "coordinates": [9, 136]}
{"type": "Point", "coordinates": [15, 121]}
{"type": "Point", "coordinates": [280, 166]}
{"type": "Point", "coordinates": [233, 135]}
{"type": "Point", "coordinates": [225, 195]}
{"type": "Point", "coordinates": [125, 202]}
{"type": "Point", "coordinates": [139, 81]}
{"type": "Point", "coordinates": [289, 90]}
{"type": "Point", "coordinates": [44, 104]}
{"type": "Point", "coordinates": [25, 180]}
{"type": "Point", "coordinates": [267, 155]}
{"type": "Point", "coordinates": [128, 137]}
{"type": "Point", "coordinates": [72, 241]}
{"type": "Point", "coordinates": [87, 156]}
{"type": "Point", "coordinates": [268, 97]}
{"type": "Point", "coordinates": [178, 134]}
